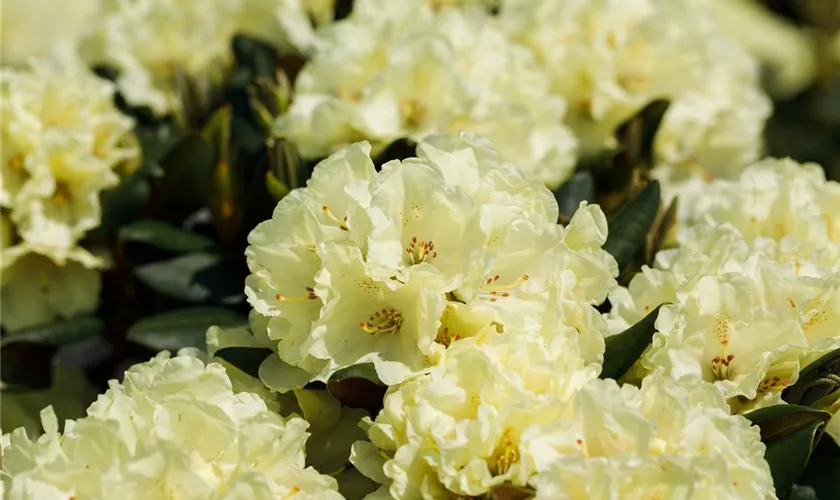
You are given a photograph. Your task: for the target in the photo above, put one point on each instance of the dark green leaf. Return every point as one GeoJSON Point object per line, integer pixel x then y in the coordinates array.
{"type": "Point", "coordinates": [624, 349]}
{"type": "Point", "coordinates": [173, 330]}
{"type": "Point", "coordinates": [187, 166]}
{"type": "Point", "coordinates": [628, 229]}
{"type": "Point", "coordinates": [400, 149]}
{"type": "Point", "coordinates": [195, 277]}
{"type": "Point", "coordinates": [165, 236]}
{"type": "Point", "coordinates": [364, 370]}
{"type": "Point", "coordinates": [818, 385]}
{"type": "Point", "coordinates": [580, 187]}
{"type": "Point", "coordinates": [821, 479]}
{"type": "Point", "coordinates": [257, 56]}
{"type": "Point", "coordinates": [358, 386]}
{"type": "Point", "coordinates": [778, 421]}
{"type": "Point", "coordinates": [124, 202]}
{"type": "Point", "coordinates": [27, 355]}
{"type": "Point", "coordinates": [59, 333]}
{"type": "Point", "coordinates": [788, 455]}
{"type": "Point", "coordinates": [247, 359]}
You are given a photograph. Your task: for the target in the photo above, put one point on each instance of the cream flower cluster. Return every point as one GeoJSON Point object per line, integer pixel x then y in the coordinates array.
{"type": "Point", "coordinates": [610, 58]}
{"type": "Point", "coordinates": [419, 67]}
{"type": "Point", "coordinates": [163, 48]}
{"type": "Point", "coordinates": [173, 429]}
{"type": "Point", "coordinates": [752, 285]}
{"type": "Point", "coordinates": [517, 412]}
{"type": "Point", "coordinates": [390, 268]}
{"type": "Point", "coordinates": [424, 66]}
{"type": "Point", "coordinates": [62, 140]}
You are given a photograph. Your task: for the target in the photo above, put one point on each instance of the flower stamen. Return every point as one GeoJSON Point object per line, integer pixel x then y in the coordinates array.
{"type": "Point", "coordinates": [420, 251]}
{"type": "Point", "coordinates": [505, 456]}
{"type": "Point", "coordinates": [720, 366]}
{"type": "Point", "coordinates": [446, 338]}
{"type": "Point", "coordinates": [497, 292]}
{"type": "Point", "coordinates": [341, 223]}
{"type": "Point", "coordinates": [386, 321]}
{"type": "Point", "coordinates": [310, 295]}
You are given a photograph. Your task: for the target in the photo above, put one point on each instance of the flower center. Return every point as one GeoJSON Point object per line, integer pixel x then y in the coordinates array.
{"type": "Point", "coordinates": [386, 321]}
{"type": "Point", "coordinates": [720, 366]}
{"type": "Point", "coordinates": [505, 455]}
{"type": "Point", "coordinates": [413, 113]}
{"type": "Point", "coordinates": [420, 251]}
{"type": "Point", "coordinates": [445, 337]}
{"type": "Point", "coordinates": [15, 161]}
{"type": "Point", "coordinates": [61, 195]}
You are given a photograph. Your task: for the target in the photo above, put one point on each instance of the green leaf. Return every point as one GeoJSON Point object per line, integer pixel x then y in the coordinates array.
{"type": "Point", "coordinates": [820, 478]}
{"type": "Point", "coordinates": [788, 456]}
{"type": "Point", "coordinates": [26, 356]}
{"type": "Point", "coordinates": [59, 333]}
{"type": "Point", "coordinates": [165, 236]}
{"type": "Point", "coordinates": [624, 349]}
{"type": "Point", "coordinates": [195, 277]}
{"type": "Point", "coordinates": [358, 386]}
{"type": "Point", "coordinates": [580, 187]}
{"type": "Point", "coordinates": [247, 359]}
{"type": "Point", "coordinates": [173, 330]}
{"type": "Point", "coordinates": [628, 229]}
{"type": "Point", "coordinates": [123, 202]}
{"type": "Point", "coordinates": [363, 370]}
{"type": "Point", "coordinates": [777, 421]}
{"type": "Point", "coordinates": [400, 149]}
{"type": "Point", "coordinates": [790, 432]}
{"type": "Point", "coordinates": [818, 385]}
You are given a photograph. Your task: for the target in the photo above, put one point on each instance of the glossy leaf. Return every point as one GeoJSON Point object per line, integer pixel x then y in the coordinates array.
{"type": "Point", "coordinates": [790, 433]}
{"type": "Point", "coordinates": [358, 386]}
{"type": "Point", "coordinates": [26, 357]}
{"type": "Point", "coordinates": [58, 333]}
{"type": "Point", "coordinates": [628, 229]}
{"type": "Point", "coordinates": [195, 277]}
{"type": "Point", "coordinates": [123, 202]}
{"type": "Point", "coordinates": [247, 359]}
{"type": "Point", "coordinates": [780, 420]}
{"type": "Point", "coordinates": [188, 167]}
{"type": "Point", "coordinates": [364, 370]}
{"type": "Point", "coordinates": [580, 187]}
{"type": "Point", "coordinates": [165, 236]}
{"type": "Point", "coordinates": [180, 328]}
{"type": "Point", "coordinates": [788, 456]}
{"type": "Point", "coordinates": [624, 349]}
